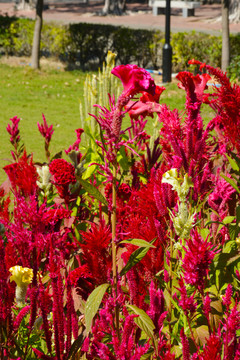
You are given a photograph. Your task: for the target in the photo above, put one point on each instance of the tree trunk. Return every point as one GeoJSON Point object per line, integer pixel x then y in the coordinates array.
{"type": "Point", "coordinates": [37, 35]}
{"type": "Point", "coordinates": [225, 35]}
{"type": "Point", "coordinates": [116, 7]}
{"type": "Point", "coordinates": [234, 11]}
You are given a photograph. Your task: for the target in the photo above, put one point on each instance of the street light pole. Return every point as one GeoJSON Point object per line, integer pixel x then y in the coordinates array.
{"type": "Point", "coordinates": [167, 49]}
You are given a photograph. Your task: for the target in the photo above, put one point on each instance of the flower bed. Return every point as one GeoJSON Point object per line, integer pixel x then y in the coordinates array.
{"type": "Point", "coordinates": [129, 250]}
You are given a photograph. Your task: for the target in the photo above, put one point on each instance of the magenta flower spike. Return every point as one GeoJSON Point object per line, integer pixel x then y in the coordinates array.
{"type": "Point", "coordinates": [45, 130]}
{"type": "Point", "coordinates": [75, 145]}
{"type": "Point", "coordinates": [134, 79]}
{"type": "Point", "coordinates": [13, 130]}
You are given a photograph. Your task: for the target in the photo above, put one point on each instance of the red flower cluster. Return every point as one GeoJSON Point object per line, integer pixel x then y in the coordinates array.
{"type": "Point", "coordinates": [55, 214]}
{"type": "Point", "coordinates": [198, 257]}
{"type": "Point", "coordinates": [63, 172]}
{"type": "Point", "coordinates": [23, 176]}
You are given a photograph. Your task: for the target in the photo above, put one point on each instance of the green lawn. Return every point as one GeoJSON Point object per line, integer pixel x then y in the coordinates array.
{"type": "Point", "coordinates": [55, 93]}
{"type": "Point", "coordinates": [28, 94]}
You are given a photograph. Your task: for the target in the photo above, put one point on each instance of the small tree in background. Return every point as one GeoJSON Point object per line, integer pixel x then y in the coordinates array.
{"type": "Point", "coordinates": [37, 35]}
{"type": "Point", "coordinates": [225, 35]}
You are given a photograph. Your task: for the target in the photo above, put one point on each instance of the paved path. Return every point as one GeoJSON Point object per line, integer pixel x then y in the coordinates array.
{"type": "Point", "coordinates": [138, 16]}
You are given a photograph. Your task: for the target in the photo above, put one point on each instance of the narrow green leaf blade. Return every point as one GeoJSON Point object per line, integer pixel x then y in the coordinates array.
{"type": "Point", "coordinates": [93, 302]}
{"type": "Point", "coordinates": [231, 182]}
{"type": "Point", "coordinates": [75, 347]}
{"type": "Point", "coordinates": [135, 257]}
{"type": "Point", "coordinates": [143, 321]}
{"type": "Point", "coordinates": [138, 242]}
{"type": "Point", "coordinates": [92, 190]}
{"type": "Point", "coordinates": [233, 163]}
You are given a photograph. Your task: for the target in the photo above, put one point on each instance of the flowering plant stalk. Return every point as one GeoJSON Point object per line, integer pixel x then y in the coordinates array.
{"type": "Point", "coordinates": [134, 257]}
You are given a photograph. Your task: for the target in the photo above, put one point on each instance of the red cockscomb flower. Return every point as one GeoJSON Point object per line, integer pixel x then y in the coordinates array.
{"type": "Point", "coordinates": [63, 175]}
{"type": "Point", "coordinates": [198, 257]}
{"type": "Point", "coordinates": [63, 172]}
{"type": "Point", "coordinates": [134, 79]}
{"type": "Point", "coordinates": [23, 176]}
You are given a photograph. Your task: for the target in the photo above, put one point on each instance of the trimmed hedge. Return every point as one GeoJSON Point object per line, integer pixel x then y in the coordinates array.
{"type": "Point", "coordinates": [86, 45]}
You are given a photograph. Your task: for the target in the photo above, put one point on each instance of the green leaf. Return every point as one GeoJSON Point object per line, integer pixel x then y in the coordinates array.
{"type": "Point", "coordinates": [237, 214]}
{"type": "Point", "coordinates": [122, 159]}
{"type": "Point", "coordinates": [92, 305]}
{"type": "Point", "coordinates": [143, 321]}
{"type": "Point", "coordinates": [202, 333]}
{"type": "Point", "coordinates": [228, 219]}
{"type": "Point", "coordinates": [89, 171]}
{"type": "Point", "coordinates": [138, 242]}
{"type": "Point", "coordinates": [233, 163]}
{"type": "Point", "coordinates": [92, 190]}
{"type": "Point", "coordinates": [135, 257]}
{"type": "Point", "coordinates": [75, 347]}
{"type": "Point", "coordinates": [204, 233]}
{"type": "Point", "coordinates": [220, 260]}
{"type": "Point", "coordinates": [231, 182]}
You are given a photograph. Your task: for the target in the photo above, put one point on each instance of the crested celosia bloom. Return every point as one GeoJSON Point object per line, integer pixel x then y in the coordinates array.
{"type": "Point", "coordinates": [193, 84]}
{"type": "Point", "coordinates": [63, 175]}
{"type": "Point", "coordinates": [63, 172]}
{"type": "Point", "coordinates": [134, 79]}
{"type": "Point", "coordinates": [21, 276]}
{"type": "Point", "coordinates": [147, 105]}
{"type": "Point", "coordinates": [199, 254]}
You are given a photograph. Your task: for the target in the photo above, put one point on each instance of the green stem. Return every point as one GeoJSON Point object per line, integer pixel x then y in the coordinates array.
{"type": "Point", "coordinates": [114, 247]}
{"type": "Point", "coordinates": [170, 287]}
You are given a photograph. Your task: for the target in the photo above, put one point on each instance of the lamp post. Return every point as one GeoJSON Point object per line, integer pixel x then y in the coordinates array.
{"type": "Point", "coordinates": [167, 49]}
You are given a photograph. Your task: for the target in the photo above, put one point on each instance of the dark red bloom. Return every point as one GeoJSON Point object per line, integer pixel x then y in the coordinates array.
{"type": "Point", "coordinates": [53, 215]}
{"type": "Point", "coordinates": [199, 254]}
{"type": "Point", "coordinates": [63, 175]}
{"type": "Point", "coordinates": [63, 172]}
{"type": "Point", "coordinates": [96, 251]}
{"type": "Point", "coordinates": [23, 176]}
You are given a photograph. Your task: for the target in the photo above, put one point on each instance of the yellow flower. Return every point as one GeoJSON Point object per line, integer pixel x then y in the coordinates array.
{"type": "Point", "coordinates": [21, 276]}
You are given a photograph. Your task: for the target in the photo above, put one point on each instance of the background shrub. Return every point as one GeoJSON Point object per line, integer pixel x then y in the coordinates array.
{"type": "Point", "coordinates": [85, 45]}
{"type": "Point", "coordinates": [201, 46]}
